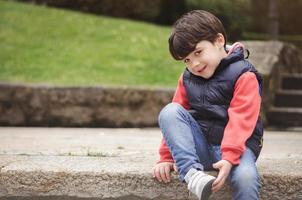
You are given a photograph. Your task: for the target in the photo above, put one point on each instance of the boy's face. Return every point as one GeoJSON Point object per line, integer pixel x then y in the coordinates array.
{"type": "Point", "coordinates": [206, 57]}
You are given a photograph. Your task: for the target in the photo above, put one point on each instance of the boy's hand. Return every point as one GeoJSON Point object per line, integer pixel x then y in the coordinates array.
{"type": "Point", "coordinates": [224, 167]}
{"type": "Point", "coordinates": [162, 171]}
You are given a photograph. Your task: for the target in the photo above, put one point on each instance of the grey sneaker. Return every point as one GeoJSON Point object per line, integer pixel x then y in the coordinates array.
{"type": "Point", "coordinates": [199, 183]}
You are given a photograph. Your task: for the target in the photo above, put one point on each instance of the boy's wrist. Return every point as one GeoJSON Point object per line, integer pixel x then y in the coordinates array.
{"type": "Point", "coordinates": [232, 157]}
{"type": "Point", "coordinates": [166, 160]}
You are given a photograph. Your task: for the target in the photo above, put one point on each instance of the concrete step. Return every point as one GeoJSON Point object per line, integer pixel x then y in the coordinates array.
{"type": "Point", "coordinates": [111, 164]}
{"type": "Point", "coordinates": [285, 116]}
{"type": "Point", "coordinates": [292, 81]}
{"type": "Point", "coordinates": [44, 177]}
{"type": "Point", "coordinates": [288, 98]}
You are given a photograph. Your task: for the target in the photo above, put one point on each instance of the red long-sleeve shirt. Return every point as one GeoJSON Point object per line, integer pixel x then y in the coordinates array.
{"type": "Point", "coordinates": [243, 114]}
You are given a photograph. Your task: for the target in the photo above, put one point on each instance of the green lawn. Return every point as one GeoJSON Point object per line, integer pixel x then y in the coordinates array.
{"type": "Point", "coordinates": [57, 47]}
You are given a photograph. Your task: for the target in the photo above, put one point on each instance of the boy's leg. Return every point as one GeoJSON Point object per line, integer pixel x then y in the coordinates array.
{"type": "Point", "coordinates": [184, 138]}
{"type": "Point", "coordinates": [244, 178]}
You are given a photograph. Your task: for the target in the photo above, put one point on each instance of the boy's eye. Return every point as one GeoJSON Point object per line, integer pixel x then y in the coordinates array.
{"type": "Point", "coordinates": [186, 60]}
{"type": "Point", "coordinates": [197, 53]}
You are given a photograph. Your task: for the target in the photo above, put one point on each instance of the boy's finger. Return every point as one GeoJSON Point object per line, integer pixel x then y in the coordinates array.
{"type": "Point", "coordinates": [218, 186]}
{"type": "Point", "coordinates": [175, 168]}
{"type": "Point", "coordinates": [218, 179]}
{"type": "Point", "coordinates": [157, 174]}
{"type": "Point", "coordinates": [215, 188]}
{"type": "Point", "coordinates": [167, 172]}
{"type": "Point", "coordinates": [153, 173]}
{"type": "Point", "coordinates": [217, 165]}
{"type": "Point", "coordinates": [163, 175]}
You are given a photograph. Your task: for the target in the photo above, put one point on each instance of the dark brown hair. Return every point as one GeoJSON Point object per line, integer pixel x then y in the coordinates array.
{"type": "Point", "coordinates": [190, 29]}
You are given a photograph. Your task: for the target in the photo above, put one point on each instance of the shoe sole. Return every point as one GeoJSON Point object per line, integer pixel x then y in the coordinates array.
{"type": "Point", "coordinates": [207, 190]}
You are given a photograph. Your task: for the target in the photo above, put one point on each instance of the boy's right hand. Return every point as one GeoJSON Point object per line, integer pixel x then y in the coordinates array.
{"type": "Point", "coordinates": [161, 171]}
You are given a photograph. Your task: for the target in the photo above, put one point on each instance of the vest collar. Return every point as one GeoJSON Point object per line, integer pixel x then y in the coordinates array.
{"type": "Point", "coordinates": [234, 54]}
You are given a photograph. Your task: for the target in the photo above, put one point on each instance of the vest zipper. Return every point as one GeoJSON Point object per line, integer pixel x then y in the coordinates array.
{"type": "Point", "coordinates": [204, 93]}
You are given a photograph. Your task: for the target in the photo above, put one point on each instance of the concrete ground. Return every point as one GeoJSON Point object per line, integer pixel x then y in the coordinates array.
{"type": "Point", "coordinates": [98, 163]}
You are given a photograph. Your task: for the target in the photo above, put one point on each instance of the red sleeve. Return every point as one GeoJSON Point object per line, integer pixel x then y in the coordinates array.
{"type": "Point", "coordinates": [243, 115]}
{"type": "Point", "coordinates": [180, 97]}
{"type": "Point", "coordinates": [164, 152]}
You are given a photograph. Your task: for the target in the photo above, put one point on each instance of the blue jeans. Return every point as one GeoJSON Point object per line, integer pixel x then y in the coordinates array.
{"type": "Point", "coordinates": [190, 149]}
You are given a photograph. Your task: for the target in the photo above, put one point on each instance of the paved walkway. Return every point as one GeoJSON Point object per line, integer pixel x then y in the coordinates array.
{"type": "Point", "coordinates": [66, 152]}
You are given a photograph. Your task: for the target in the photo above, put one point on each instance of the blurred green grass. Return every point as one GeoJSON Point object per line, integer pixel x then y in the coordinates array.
{"type": "Point", "coordinates": [58, 47]}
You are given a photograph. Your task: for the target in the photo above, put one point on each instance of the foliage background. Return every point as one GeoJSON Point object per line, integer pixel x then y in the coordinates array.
{"type": "Point", "coordinates": [40, 44]}
{"type": "Point", "coordinates": [239, 16]}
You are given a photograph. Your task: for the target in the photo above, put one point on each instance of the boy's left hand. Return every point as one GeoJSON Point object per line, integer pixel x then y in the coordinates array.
{"type": "Point", "coordinates": [224, 167]}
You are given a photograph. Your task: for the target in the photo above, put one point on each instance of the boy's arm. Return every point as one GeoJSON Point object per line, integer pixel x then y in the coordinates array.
{"type": "Point", "coordinates": [164, 153]}
{"type": "Point", "coordinates": [243, 115]}
{"type": "Point", "coordinates": [180, 97]}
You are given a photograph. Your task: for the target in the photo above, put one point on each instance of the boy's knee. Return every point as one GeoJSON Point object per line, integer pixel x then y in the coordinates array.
{"type": "Point", "coordinates": [169, 112]}
{"type": "Point", "coordinates": [246, 177]}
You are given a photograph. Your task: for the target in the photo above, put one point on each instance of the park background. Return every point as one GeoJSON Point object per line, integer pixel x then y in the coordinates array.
{"type": "Point", "coordinates": [82, 83]}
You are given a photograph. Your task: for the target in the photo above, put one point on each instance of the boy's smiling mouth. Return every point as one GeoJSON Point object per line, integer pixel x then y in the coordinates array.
{"type": "Point", "coordinates": [202, 69]}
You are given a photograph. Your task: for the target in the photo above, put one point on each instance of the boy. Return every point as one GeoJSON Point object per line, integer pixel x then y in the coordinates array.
{"type": "Point", "coordinates": [213, 121]}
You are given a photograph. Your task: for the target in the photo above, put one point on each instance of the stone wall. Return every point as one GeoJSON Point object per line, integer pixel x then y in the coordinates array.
{"type": "Point", "coordinates": [273, 58]}
{"type": "Point", "coordinates": [29, 105]}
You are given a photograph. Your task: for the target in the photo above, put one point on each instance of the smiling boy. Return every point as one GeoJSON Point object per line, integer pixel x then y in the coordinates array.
{"type": "Point", "coordinates": [213, 121]}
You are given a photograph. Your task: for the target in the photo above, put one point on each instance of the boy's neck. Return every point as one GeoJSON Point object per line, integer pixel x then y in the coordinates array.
{"type": "Point", "coordinates": [224, 53]}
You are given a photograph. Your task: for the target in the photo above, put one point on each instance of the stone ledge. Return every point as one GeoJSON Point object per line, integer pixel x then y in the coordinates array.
{"type": "Point", "coordinates": [36, 105]}
{"type": "Point", "coordinates": [83, 177]}
{"type": "Point", "coordinates": [74, 163]}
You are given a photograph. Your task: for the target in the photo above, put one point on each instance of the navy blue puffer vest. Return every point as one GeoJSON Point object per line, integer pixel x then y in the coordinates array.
{"type": "Point", "coordinates": [210, 98]}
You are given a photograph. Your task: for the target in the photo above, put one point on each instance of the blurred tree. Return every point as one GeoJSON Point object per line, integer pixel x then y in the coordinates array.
{"type": "Point", "coordinates": [273, 23]}
{"type": "Point", "coordinates": [133, 9]}
{"type": "Point", "coordinates": [170, 11]}
{"type": "Point", "coordinates": [288, 16]}
{"type": "Point", "coordinates": [234, 14]}
{"type": "Point", "coordinates": [238, 16]}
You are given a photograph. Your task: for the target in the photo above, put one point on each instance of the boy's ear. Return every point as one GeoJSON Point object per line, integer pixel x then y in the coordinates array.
{"type": "Point", "coordinates": [220, 40]}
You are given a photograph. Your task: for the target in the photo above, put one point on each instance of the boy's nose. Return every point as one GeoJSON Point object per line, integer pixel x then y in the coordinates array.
{"type": "Point", "coordinates": [195, 63]}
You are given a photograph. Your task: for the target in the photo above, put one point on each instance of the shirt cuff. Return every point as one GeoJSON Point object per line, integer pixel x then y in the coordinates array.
{"type": "Point", "coordinates": [232, 156]}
